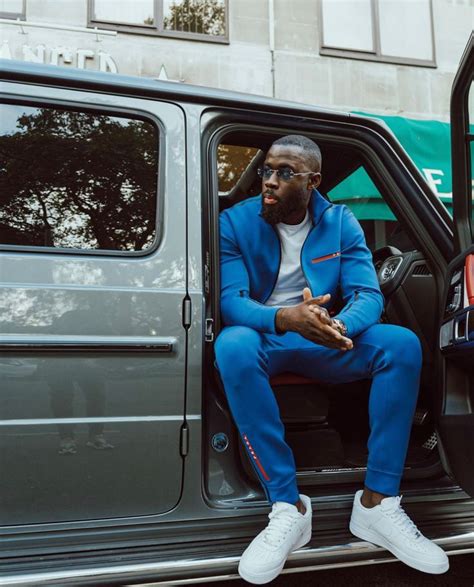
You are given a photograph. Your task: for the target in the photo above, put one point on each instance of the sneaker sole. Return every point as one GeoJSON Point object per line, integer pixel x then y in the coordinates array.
{"type": "Point", "coordinates": [377, 539]}
{"type": "Point", "coordinates": [270, 574]}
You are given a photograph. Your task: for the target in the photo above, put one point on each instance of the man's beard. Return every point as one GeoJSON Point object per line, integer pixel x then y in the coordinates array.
{"type": "Point", "coordinates": [279, 212]}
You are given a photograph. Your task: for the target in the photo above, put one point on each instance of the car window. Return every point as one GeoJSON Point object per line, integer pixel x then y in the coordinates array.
{"type": "Point", "coordinates": [381, 228]}
{"type": "Point", "coordinates": [77, 180]}
{"type": "Point", "coordinates": [232, 161]}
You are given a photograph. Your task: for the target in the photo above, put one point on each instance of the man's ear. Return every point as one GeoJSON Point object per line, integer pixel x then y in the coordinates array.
{"type": "Point", "coordinates": [314, 181]}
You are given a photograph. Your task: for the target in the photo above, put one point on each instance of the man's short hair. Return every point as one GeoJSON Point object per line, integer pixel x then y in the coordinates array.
{"type": "Point", "coordinates": [310, 148]}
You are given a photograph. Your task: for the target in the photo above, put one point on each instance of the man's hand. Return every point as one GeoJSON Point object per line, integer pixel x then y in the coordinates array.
{"type": "Point", "coordinates": [312, 321]}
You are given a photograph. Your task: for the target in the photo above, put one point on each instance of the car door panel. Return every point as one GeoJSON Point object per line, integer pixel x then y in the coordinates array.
{"type": "Point", "coordinates": [93, 344]}
{"type": "Point", "coordinates": [456, 422]}
{"type": "Point", "coordinates": [456, 331]}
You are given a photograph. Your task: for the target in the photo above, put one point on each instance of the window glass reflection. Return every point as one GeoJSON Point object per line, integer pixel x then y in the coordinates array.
{"type": "Point", "coordinates": [125, 11]}
{"type": "Point", "coordinates": [13, 6]}
{"type": "Point", "coordinates": [195, 16]}
{"type": "Point", "coordinates": [77, 180]}
{"type": "Point", "coordinates": [201, 17]}
{"type": "Point", "coordinates": [232, 161]}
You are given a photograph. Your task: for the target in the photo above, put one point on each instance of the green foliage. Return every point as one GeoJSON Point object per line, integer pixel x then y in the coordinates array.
{"type": "Point", "coordinates": [197, 16]}
{"type": "Point", "coordinates": [73, 179]}
{"type": "Point", "coordinates": [232, 161]}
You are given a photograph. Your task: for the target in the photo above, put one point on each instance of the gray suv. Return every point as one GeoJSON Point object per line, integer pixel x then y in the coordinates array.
{"type": "Point", "coordinates": [120, 462]}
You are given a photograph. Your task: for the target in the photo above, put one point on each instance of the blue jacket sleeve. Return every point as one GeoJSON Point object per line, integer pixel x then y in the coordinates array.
{"type": "Point", "coordinates": [237, 308]}
{"type": "Point", "coordinates": [363, 300]}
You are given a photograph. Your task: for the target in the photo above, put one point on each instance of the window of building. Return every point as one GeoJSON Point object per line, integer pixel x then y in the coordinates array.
{"type": "Point", "coordinates": [194, 19]}
{"type": "Point", "coordinates": [77, 180]}
{"type": "Point", "coordinates": [12, 9]}
{"type": "Point", "coordinates": [398, 31]}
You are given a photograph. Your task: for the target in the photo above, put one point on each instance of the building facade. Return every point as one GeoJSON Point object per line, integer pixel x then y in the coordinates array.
{"type": "Point", "coordinates": [382, 56]}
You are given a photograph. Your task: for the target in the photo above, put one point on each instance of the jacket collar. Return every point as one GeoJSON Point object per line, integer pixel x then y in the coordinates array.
{"type": "Point", "coordinates": [317, 206]}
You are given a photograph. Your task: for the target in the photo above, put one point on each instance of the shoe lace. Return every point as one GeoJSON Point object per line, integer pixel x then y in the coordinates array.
{"type": "Point", "coordinates": [403, 521]}
{"type": "Point", "coordinates": [281, 522]}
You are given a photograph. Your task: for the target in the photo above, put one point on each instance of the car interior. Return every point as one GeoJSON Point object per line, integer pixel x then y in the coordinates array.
{"type": "Point", "coordinates": [326, 425]}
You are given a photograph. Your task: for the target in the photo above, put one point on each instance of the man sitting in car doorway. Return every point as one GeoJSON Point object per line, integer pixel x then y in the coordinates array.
{"type": "Point", "coordinates": [284, 254]}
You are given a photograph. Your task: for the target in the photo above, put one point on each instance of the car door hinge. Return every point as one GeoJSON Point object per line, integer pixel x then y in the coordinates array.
{"type": "Point", "coordinates": [184, 440]}
{"type": "Point", "coordinates": [186, 312]}
{"type": "Point", "coordinates": [209, 334]}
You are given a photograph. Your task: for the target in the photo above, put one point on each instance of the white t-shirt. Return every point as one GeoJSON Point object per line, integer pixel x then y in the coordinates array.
{"type": "Point", "coordinates": [288, 289]}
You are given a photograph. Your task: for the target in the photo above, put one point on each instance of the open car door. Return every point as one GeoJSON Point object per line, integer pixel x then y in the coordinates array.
{"type": "Point", "coordinates": [456, 373]}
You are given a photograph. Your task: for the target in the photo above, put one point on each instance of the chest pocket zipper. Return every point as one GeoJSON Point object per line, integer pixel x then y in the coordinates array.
{"type": "Point", "coordinates": [326, 257]}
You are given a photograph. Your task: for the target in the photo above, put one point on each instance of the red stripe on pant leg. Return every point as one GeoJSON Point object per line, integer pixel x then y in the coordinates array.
{"type": "Point", "coordinates": [255, 458]}
{"type": "Point", "coordinates": [262, 470]}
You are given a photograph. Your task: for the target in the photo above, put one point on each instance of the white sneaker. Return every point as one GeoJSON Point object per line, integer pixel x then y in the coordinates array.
{"type": "Point", "coordinates": [287, 530]}
{"type": "Point", "coordinates": [388, 525]}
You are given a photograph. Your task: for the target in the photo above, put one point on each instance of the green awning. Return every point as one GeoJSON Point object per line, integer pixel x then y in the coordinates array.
{"type": "Point", "coordinates": [427, 142]}
{"type": "Point", "coordinates": [360, 193]}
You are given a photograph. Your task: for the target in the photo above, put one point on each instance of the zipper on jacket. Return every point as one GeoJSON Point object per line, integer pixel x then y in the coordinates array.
{"type": "Point", "coordinates": [279, 266]}
{"type": "Point", "coordinates": [301, 259]}
{"type": "Point", "coordinates": [326, 257]}
{"type": "Point", "coordinates": [305, 240]}
{"type": "Point", "coordinates": [301, 253]}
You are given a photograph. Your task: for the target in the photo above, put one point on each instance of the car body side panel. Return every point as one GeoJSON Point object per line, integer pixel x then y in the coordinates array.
{"type": "Point", "coordinates": [95, 343]}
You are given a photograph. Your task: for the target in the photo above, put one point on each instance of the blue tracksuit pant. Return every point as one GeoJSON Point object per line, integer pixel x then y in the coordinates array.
{"type": "Point", "coordinates": [390, 355]}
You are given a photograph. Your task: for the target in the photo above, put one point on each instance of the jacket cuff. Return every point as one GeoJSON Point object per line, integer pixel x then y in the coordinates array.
{"type": "Point", "coordinates": [270, 318]}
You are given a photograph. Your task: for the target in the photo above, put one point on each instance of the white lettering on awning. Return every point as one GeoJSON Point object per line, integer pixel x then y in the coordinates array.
{"type": "Point", "coordinates": [435, 182]}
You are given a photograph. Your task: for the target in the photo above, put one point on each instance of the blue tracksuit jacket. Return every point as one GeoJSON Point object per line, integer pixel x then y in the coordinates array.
{"type": "Point", "coordinates": [334, 259]}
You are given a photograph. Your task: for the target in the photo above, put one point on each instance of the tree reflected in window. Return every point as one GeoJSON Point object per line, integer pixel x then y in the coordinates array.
{"type": "Point", "coordinates": [196, 19]}
{"type": "Point", "coordinates": [196, 16]}
{"type": "Point", "coordinates": [77, 180]}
